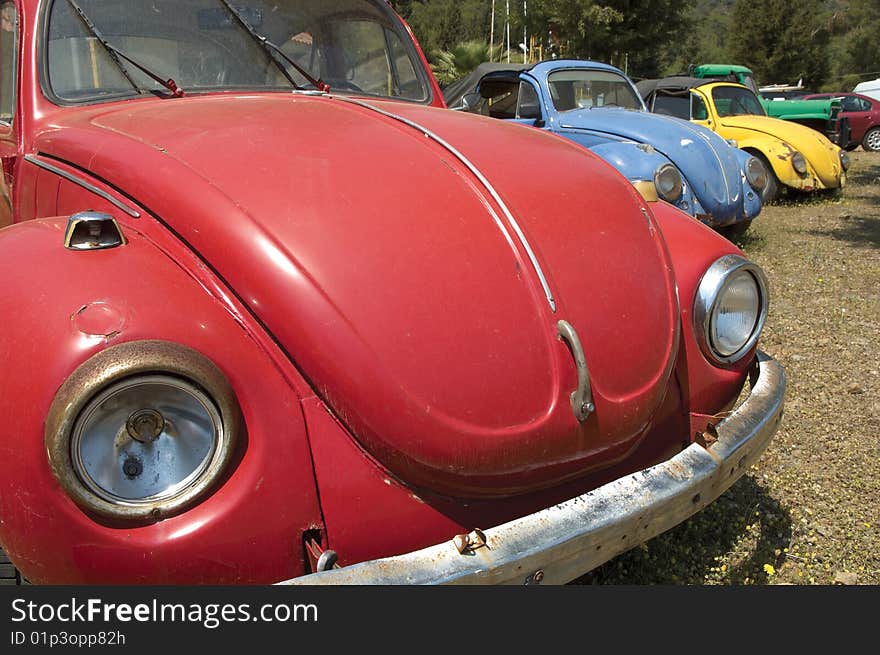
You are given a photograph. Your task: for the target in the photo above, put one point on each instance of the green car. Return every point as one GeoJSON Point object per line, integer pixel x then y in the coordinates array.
{"type": "Point", "coordinates": [821, 115]}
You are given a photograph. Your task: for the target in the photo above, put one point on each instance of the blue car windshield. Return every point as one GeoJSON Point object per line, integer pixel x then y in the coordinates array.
{"type": "Point", "coordinates": [591, 89]}
{"type": "Point", "coordinates": [353, 46]}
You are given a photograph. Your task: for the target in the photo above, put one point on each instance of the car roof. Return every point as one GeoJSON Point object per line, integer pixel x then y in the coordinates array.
{"type": "Point", "coordinates": [454, 92]}
{"type": "Point", "coordinates": [550, 65]}
{"type": "Point", "coordinates": [841, 95]}
{"type": "Point", "coordinates": [680, 83]}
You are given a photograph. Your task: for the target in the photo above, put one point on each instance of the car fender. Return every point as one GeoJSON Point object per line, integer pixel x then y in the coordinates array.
{"type": "Point", "coordinates": [753, 204]}
{"type": "Point", "coordinates": [74, 306]}
{"type": "Point", "coordinates": [775, 152]}
{"type": "Point", "coordinates": [693, 249]}
{"type": "Point", "coordinates": [639, 162]}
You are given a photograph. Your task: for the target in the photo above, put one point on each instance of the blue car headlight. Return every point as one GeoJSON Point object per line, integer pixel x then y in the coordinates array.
{"type": "Point", "coordinates": [668, 181]}
{"type": "Point", "coordinates": [756, 174]}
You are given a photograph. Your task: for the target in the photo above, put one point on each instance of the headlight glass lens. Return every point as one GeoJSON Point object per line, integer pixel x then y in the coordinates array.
{"type": "Point", "coordinates": [844, 160]}
{"type": "Point", "coordinates": [145, 440]}
{"type": "Point", "coordinates": [730, 309]}
{"type": "Point", "coordinates": [800, 163]}
{"type": "Point", "coordinates": [669, 184]}
{"type": "Point", "coordinates": [736, 315]}
{"type": "Point", "coordinates": [756, 174]}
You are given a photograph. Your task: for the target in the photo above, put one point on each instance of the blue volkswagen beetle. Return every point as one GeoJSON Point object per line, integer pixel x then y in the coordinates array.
{"type": "Point", "coordinates": [598, 106]}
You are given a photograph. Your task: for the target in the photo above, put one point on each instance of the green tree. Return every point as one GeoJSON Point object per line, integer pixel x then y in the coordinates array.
{"type": "Point", "coordinates": [441, 24]}
{"type": "Point", "coordinates": [707, 26]}
{"type": "Point", "coordinates": [782, 41]}
{"type": "Point", "coordinates": [461, 59]}
{"type": "Point", "coordinates": [638, 34]}
{"type": "Point", "coordinates": [645, 36]}
{"type": "Point", "coordinates": [855, 47]}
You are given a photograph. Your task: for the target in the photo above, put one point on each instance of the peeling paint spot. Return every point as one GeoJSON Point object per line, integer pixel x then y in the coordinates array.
{"type": "Point", "coordinates": [99, 319]}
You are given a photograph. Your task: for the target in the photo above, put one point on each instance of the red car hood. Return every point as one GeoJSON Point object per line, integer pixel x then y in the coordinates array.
{"type": "Point", "coordinates": [395, 283]}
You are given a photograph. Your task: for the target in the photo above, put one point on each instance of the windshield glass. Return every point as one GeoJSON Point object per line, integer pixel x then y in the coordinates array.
{"type": "Point", "coordinates": [583, 89]}
{"type": "Point", "coordinates": [736, 101]}
{"type": "Point", "coordinates": [354, 46]}
{"type": "Point", "coordinates": [749, 81]}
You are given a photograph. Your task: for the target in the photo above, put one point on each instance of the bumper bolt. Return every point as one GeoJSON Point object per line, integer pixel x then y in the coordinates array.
{"type": "Point", "coordinates": [536, 578]}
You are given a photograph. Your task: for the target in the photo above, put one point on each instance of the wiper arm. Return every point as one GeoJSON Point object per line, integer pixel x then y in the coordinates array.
{"type": "Point", "coordinates": [273, 50]}
{"type": "Point", "coordinates": [116, 55]}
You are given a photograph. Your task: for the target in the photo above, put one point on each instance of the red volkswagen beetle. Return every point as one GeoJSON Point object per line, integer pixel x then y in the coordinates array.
{"type": "Point", "coordinates": [271, 313]}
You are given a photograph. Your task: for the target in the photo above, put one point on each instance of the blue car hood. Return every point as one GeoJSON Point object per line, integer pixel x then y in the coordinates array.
{"type": "Point", "coordinates": [707, 161]}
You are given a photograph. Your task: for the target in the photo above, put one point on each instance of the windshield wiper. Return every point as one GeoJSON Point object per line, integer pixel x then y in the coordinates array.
{"type": "Point", "coordinates": [273, 50]}
{"type": "Point", "coordinates": [115, 54]}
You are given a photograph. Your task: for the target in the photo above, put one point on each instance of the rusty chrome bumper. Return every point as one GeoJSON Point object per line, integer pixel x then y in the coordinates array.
{"type": "Point", "coordinates": [561, 543]}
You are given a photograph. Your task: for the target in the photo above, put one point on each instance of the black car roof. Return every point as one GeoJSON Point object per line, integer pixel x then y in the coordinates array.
{"type": "Point", "coordinates": [679, 83]}
{"type": "Point", "coordinates": [454, 92]}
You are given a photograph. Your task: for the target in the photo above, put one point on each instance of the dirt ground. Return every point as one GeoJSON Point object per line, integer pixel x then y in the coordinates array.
{"type": "Point", "coordinates": [809, 511]}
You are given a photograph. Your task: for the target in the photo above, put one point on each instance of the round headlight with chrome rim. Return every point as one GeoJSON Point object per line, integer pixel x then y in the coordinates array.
{"type": "Point", "coordinates": [142, 431]}
{"type": "Point", "coordinates": [669, 183]}
{"type": "Point", "coordinates": [800, 163]}
{"type": "Point", "coordinates": [756, 174]}
{"type": "Point", "coordinates": [730, 309]}
{"type": "Point", "coordinates": [844, 160]}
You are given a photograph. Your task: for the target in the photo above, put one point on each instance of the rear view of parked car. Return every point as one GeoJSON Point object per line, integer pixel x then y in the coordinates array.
{"type": "Point", "coordinates": [273, 314]}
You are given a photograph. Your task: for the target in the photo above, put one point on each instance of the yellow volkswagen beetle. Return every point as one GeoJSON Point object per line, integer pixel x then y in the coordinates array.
{"type": "Point", "coordinates": [795, 156]}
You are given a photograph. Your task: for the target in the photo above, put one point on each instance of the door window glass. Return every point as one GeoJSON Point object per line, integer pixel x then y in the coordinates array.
{"type": "Point", "coordinates": [698, 108]}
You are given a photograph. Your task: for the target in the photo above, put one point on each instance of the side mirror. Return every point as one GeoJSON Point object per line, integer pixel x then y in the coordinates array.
{"type": "Point", "coordinates": [530, 110]}
{"type": "Point", "coordinates": [469, 102]}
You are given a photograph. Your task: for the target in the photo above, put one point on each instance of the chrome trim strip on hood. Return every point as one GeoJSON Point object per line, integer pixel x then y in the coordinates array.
{"type": "Point", "coordinates": [70, 177]}
{"type": "Point", "coordinates": [479, 175]}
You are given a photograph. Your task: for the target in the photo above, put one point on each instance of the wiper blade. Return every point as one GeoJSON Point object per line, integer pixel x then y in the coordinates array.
{"type": "Point", "coordinates": [273, 50]}
{"type": "Point", "coordinates": [116, 55]}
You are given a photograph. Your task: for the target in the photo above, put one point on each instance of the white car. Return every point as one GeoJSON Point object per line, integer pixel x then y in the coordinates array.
{"type": "Point", "coordinates": [870, 89]}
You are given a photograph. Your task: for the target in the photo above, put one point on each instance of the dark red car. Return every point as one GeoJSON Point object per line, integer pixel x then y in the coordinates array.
{"type": "Point", "coordinates": [272, 312]}
{"type": "Point", "coordinates": [863, 114]}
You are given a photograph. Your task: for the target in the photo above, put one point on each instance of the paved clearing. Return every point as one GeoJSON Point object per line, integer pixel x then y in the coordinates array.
{"type": "Point", "coordinates": [809, 511]}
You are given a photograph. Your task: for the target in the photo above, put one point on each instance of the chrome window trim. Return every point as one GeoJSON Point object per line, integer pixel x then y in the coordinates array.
{"type": "Point", "coordinates": [70, 177]}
